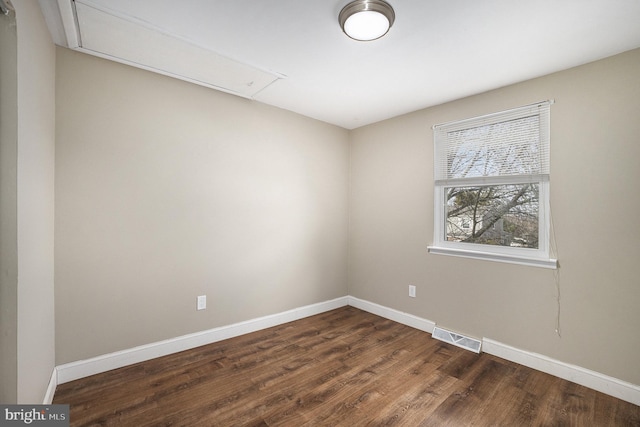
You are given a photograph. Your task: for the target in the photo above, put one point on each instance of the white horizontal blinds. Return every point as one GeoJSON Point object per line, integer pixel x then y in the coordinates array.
{"type": "Point", "coordinates": [513, 143]}
{"type": "Point", "coordinates": [499, 149]}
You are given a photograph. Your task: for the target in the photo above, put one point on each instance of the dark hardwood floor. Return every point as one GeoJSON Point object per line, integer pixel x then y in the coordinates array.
{"type": "Point", "coordinates": [345, 367]}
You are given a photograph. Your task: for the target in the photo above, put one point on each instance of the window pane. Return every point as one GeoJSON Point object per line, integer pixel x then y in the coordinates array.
{"type": "Point", "coordinates": [502, 215]}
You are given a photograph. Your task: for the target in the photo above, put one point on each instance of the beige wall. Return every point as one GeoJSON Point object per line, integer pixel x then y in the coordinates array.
{"type": "Point", "coordinates": [8, 209]}
{"type": "Point", "coordinates": [36, 148]}
{"type": "Point", "coordinates": [166, 191]}
{"type": "Point", "coordinates": [27, 212]}
{"type": "Point", "coordinates": [594, 199]}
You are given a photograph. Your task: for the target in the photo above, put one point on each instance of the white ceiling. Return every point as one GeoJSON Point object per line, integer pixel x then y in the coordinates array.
{"type": "Point", "coordinates": [292, 53]}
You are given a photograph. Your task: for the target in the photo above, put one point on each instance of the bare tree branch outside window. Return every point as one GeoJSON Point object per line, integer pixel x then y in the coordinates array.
{"type": "Point", "coordinates": [505, 215]}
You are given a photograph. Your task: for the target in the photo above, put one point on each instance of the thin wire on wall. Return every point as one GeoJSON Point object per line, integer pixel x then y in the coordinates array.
{"type": "Point", "coordinates": [556, 272]}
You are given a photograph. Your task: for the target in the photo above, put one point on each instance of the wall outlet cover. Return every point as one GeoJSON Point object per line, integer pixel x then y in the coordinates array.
{"type": "Point", "coordinates": [202, 302]}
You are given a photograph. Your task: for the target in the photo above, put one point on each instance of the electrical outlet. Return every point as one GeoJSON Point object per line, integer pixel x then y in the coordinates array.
{"type": "Point", "coordinates": [412, 291]}
{"type": "Point", "coordinates": [202, 302]}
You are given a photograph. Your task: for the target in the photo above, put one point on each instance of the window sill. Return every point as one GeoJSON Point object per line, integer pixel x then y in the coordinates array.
{"type": "Point", "coordinates": [532, 262]}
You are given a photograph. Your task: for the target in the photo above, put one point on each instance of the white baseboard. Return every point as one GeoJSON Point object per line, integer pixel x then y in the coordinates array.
{"type": "Point", "coordinates": [51, 388]}
{"type": "Point", "coordinates": [84, 368]}
{"type": "Point", "coordinates": [392, 314]}
{"type": "Point", "coordinates": [591, 379]}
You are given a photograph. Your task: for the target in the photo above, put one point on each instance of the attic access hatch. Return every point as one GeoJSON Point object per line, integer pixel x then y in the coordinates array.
{"type": "Point", "coordinates": [125, 39]}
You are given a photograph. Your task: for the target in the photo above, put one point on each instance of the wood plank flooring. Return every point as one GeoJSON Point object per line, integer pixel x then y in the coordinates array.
{"type": "Point", "coordinates": [345, 367]}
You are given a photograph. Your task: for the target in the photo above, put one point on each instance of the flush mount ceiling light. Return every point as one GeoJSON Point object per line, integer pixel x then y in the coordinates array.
{"type": "Point", "coordinates": [366, 20]}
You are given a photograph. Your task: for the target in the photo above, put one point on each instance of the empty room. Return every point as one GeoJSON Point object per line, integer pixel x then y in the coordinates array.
{"type": "Point", "coordinates": [288, 213]}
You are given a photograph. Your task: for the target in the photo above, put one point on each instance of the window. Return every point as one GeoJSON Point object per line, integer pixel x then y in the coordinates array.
{"type": "Point", "coordinates": [491, 187]}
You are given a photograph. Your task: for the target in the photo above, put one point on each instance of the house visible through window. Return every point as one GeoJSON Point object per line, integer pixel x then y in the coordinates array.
{"type": "Point", "coordinates": [491, 177]}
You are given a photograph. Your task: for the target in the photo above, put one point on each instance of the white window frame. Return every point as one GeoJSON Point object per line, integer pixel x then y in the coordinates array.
{"type": "Point", "coordinates": [539, 257]}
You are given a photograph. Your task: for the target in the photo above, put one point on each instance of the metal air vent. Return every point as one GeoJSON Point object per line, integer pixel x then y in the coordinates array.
{"type": "Point", "coordinates": [458, 340]}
